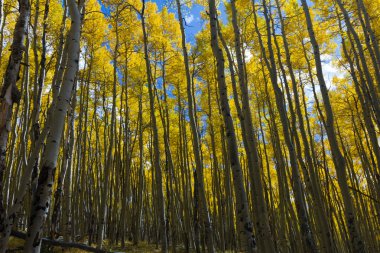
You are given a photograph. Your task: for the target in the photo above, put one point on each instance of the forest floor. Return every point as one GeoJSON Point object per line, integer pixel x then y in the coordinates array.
{"type": "Point", "coordinates": [16, 246]}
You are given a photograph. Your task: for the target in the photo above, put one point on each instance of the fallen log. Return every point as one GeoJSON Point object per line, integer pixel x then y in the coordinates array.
{"type": "Point", "coordinates": [60, 243]}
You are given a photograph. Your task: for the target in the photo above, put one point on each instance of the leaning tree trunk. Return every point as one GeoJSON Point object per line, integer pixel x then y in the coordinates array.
{"type": "Point", "coordinates": [42, 198]}
{"type": "Point", "coordinates": [307, 236]}
{"type": "Point", "coordinates": [10, 95]}
{"type": "Point", "coordinates": [338, 158]}
{"type": "Point", "coordinates": [244, 224]}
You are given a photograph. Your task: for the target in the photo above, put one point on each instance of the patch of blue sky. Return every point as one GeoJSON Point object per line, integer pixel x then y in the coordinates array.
{"type": "Point", "coordinates": [192, 16]}
{"type": "Point", "coordinates": [105, 10]}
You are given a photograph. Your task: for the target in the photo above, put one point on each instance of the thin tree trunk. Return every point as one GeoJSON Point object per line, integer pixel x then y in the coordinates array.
{"type": "Point", "coordinates": [263, 230]}
{"type": "Point", "coordinates": [307, 236]}
{"type": "Point", "coordinates": [338, 159]}
{"type": "Point", "coordinates": [204, 213]}
{"type": "Point", "coordinates": [156, 148]}
{"type": "Point", "coordinates": [10, 95]}
{"type": "Point", "coordinates": [244, 224]}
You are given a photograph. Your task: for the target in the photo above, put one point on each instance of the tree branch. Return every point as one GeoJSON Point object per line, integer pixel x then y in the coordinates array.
{"type": "Point", "coordinates": [61, 244]}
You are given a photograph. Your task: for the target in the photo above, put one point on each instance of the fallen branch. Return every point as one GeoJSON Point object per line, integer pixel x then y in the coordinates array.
{"type": "Point", "coordinates": [61, 244]}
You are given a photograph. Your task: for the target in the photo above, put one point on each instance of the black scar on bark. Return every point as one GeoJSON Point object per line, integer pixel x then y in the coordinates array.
{"type": "Point", "coordinates": [36, 240]}
{"type": "Point", "coordinates": [44, 175]}
{"type": "Point", "coordinates": [40, 208]}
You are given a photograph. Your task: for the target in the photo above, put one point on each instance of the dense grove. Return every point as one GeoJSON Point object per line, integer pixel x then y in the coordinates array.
{"type": "Point", "coordinates": [259, 133]}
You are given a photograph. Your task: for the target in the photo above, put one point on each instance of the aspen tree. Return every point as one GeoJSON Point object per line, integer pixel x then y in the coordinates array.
{"type": "Point", "coordinates": [42, 198]}
{"type": "Point", "coordinates": [10, 94]}
{"type": "Point", "coordinates": [312, 178]}
{"type": "Point", "coordinates": [204, 213]}
{"type": "Point", "coordinates": [157, 165]}
{"type": "Point", "coordinates": [244, 224]}
{"type": "Point", "coordinates": [262, 223]}
{"type": "Point", "coordinates": [339, 160]}
{"type": "Point", "coordinates": [307, 236]}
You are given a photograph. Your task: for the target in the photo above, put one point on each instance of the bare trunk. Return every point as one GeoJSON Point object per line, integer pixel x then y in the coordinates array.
{"type": "Point", "coordinates": [156, 148]}
{"type": "Point", "coordinates": [244, 224]}
{"type": "Point", "coordinates": [10, 95]}
{"type": "Point", "coordinates": [42, 198]}
{"type": "Point", "coordinates": [338, 159]}
{"type": "Point", "coordinates": [204, 213]}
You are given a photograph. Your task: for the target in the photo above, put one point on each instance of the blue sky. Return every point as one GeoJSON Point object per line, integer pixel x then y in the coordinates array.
{"type": "Point", "coordinates": [194, 24]}
{"type": "Point", "coordinates": [192, 16]}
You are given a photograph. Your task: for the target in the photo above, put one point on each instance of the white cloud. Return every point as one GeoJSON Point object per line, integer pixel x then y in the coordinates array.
{"type": "Point", "coordinates": [330, 70]}
{"type": "Point", "coordinates": [247, 55]}
{"type": "Point", "coordinates": [189, 18]}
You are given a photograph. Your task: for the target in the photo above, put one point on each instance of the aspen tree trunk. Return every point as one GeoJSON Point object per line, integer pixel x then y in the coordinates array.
{"type": "Point", "coordinates": [358, 43]}
{"type": "Point", "coordinates": [2, 25]}
{"type": "Point", "coordinates": [204, 213]}
{"type": "Point", "coordinates": [83, 137]}
{"type": "Point", "coordinates": [214, 158]}
{"type": "Point", "coordinates": [368, 27]}
{"type": "Point", "coordinates": [42, 198]}
{"type": "Point", "coordinates": [33, 157]}
{"type": "Point", "coordinates": [185, 205]}
{"type": "Point", "coordinates": [244, 224]}
{"type": "Point", "coordinates": [366, 112]}
{"type": "Point", "coordinates": [169, 164]}
{"type": "Point", "coordinates": [39, 83]}
{"type": "Point", "coordinates": [338, 159]}
{"type": "Point", "coordinates": [316, 191]}
{"type": "Point", "coordinates": [67, 215]}
{"type": "Point", "coordinates": [156, 148]}
{"type": "Point", "coordinates": [307, 236]}
{"type": "Point", "coordinates": [263, 230]}
{"type": "Point", "coordinates": [136, 232]}
{"type": "Point", "coordinates": [10, 95]}
{"type": "Point", "coordinates": [127, 168]}
{"type": "Point", "coordinates": [3, 16]}
{"type": "Point", "coordinates": [169, 159]}
{"type": "Point", "coordinates": [361, 55]}
{"type": "Point", "coordinates": [36, 103]}
{"type": "Point", "coordinates": [23, 148]}
{"type": "Point", "coordinates": [61, 184]}
{"type": "Point", "coordinates": [246, 138]}
{"type": "Point", "coordinates": [109, 160]}
{"type": "Point", "coordinates": [239, 111]}
{"type": "Point", "coordinates": [285, 206]}
{"type": "Point", "coordinates": [61, 52]}
{"type": "Point", "coordinates": [34, 120]}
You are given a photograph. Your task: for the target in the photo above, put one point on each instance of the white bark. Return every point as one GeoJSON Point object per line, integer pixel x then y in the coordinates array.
{"type": "Point", "coordinates": [10, 95]}
{"type": "Point", "coordinates": [41, 201]}
{"type": "Point", "coordinates": [197, 148]}
{"type": "Point", "coordinates": [244, 224]}
{"type": "Point", "coordinates": [338, 158]}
